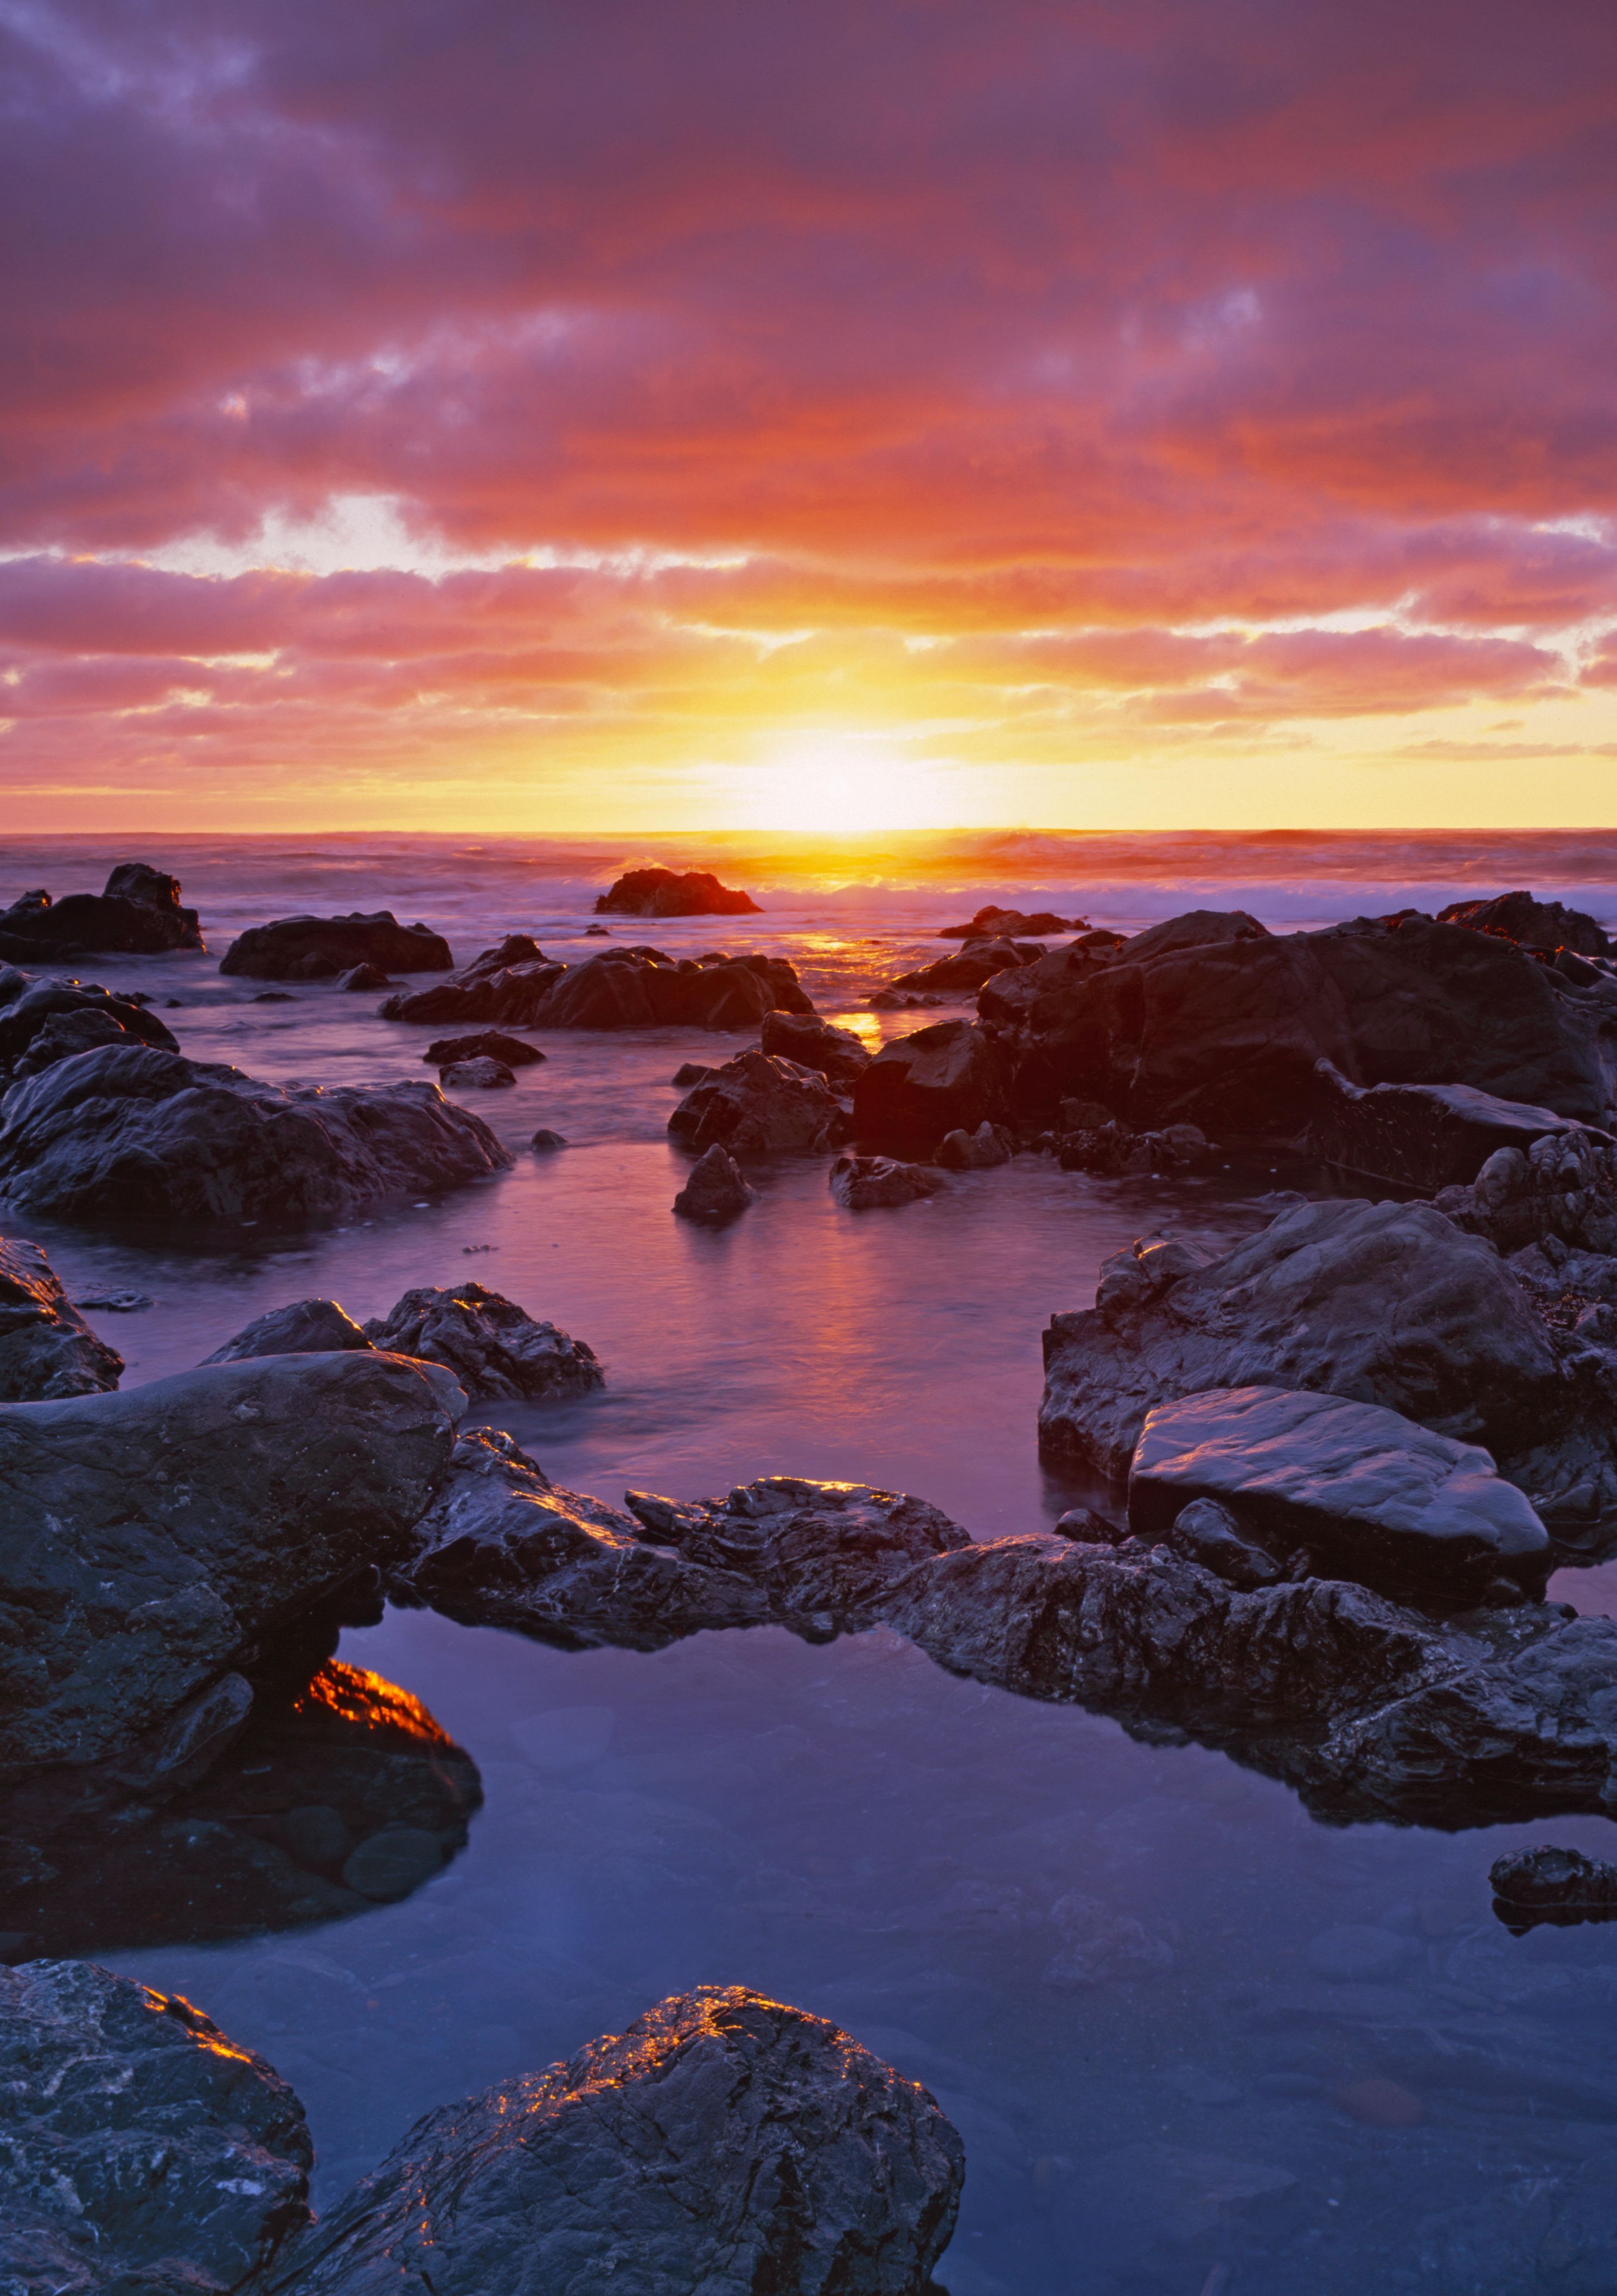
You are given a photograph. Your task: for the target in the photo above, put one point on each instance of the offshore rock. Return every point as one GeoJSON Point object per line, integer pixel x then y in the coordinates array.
{"type": "Point", "coordinates": [622, 987]}
{"type": "Point", "coordinates": [495, 1348]}
{"type": "Point", "coordinates": [305, 1327]}
{"type": "Point", "coordinates": [1531, 924]}
{"type": "Point", "coordinates": [758, 1104]}
{"type": "Point", "coordinates": [507, 985]}
{"type": "Point", "coordinates": [724, 2144]}
{"type": "Point", "coordinates": [137, 914]}
{"type": "Point", "coordinates": [480, 1075]}
{"type": "Point", "coordinates": [975, 1151]}
{"type": "Point", "coordinates": [1112, 1149]}
{"type": "Point", "coordinates": [1369, 1495]}
{"type": "Point", "coordinates": [149, 1540]}
{"type": "Point", "coordinates": [868, 1184]}
{"type": "Point", "coordinates": [1548, 1885]}
{"type": "Point", "coordinates": [139, 2149]}
{"type": "Point", "coordinates": [1011, 925]}
{"type": "Point", "coordinates": [316, 948]}
{"type": "Point", "coordinates": [716, 1189]}
{"type": "Point", "coordinates": [666, 893]}
{"type": "Point", "coordinates": [1421, 1136]}
{"type": "Point", "coordinates": [44, 1022]}
{"type": "Point", "coordinates": [46, 1348]}
{"type": "Point", "coordinates": [129, 1133]}
{"type": "Point", "coordinates": [483, 1044]}
{"type": "Point", "coordinates": [951, 1077]}
{"type": "Point", "coordinates": [811, 1043]}
{"type": "Point", "coordinates": [971, 967]}
{"type": "Point", "coordinates": [360, 977]}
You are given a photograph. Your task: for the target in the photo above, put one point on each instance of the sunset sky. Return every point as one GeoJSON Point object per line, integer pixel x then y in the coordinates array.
{"type": "Point", "coordinates": [657, 414]}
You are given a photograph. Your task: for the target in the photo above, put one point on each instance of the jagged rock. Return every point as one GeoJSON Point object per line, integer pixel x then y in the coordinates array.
{"type": "Point", "coordinates": [665, 893]}
{"type": "Point", "coordinates": [1369, 1495]}
{"type": "Point", "coordinates": [126, 1133]}
{"type": "Point", "coordinates": [1561, 1192]}
{"type": "Point", "coordinates": [975, 1151]}
{"type": "Point", "coordinates": [715, 1189]}
{"type": "Point", "coordinates": [365, 976]}
{"type": "Point", "coordinates": [725, 2144]}
{"type": "Point", "coordinates": [138, 914]}
{"type": "Point", "coordinates": [1547, 925]}
{"type": "Point", "coordinates": [865, 1184]}
{"type": "Point", "coordinates": [949, 1078]}
{"type": "Point", "coordinates": [623, 988]}
{"type": "Point", "coordinates": [139, 2149]}
{"type": "Point", "coordinates": [147, 1539]}
{"type": "Point", "coordinates": [1210, 1534]}
{"type": "Point", "coordinates": [974, 965]}
{"type": "Point", "coordinates": [46, 1348]}
{"type": "Point", "coordinates": [1427, 1135]}
{"type": "Point", "coordinates": [44, 1022]}
{"type": "Point", "coordinates": [1112, 1149]}
{"type": "Point", "coordinates": [758, 1104]}
{"type": "Point", "coordinates": [483, 1044]}
{"type": "Point", "coordinates": [480, 1075]}
{"type": "Point", "coordinates": [545, 1140]}
{"type": "Point", "coordinates": [315, 949]}
{"type": "Point", "coordinates": [495, 1348]}
{"type": "Point", "coordinates": [1561, 1887]}
{"type": "Point", "coordinates": [811, 1043]}
{"type": "Point", "coordinates": [507, 984]}
{"type": "Point", "coordinates": [1011, 925]}
{"type": "Point", "coordinates": [1029, 1000]}
{"type": "Point", "coordinates": [304, 1328]}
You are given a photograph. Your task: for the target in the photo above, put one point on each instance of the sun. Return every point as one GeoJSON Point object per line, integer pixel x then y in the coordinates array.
{"type": "Point", "coordinates": [840, 785]}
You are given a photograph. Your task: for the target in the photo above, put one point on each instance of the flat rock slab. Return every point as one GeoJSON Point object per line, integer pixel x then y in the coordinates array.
{"type": "Point", "coordinates": [1372, 1495]}
{"type": "Point", "coordinates": [46, 1348]}
{"type": "Point", "coordinates": [724, 2144]}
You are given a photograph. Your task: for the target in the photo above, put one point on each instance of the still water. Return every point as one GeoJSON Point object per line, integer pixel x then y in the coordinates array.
{"type": "Point", "coordinates": [1195, 2042]}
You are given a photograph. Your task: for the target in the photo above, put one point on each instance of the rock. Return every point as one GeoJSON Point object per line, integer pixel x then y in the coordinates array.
{"type": "Point", "coordinates": [664, 893]}
{"type": "Point", "coordinates": [690, 1072]}
{"type": "Point", "coordinates": [314, 948]}
{"type": "Point", "coordinates": [1196, 929]}
{"type": "Point", "coordinates": [811, 1043]}
{"type": "Point", "coordinates": [949, 1078]}
{"type": "Point", "coordinates": [1010, 924]}
{"type": "Point", "coordinates": [725, 2143]}
{"type": "Point", "coordinates": [975, 964]}
{"type": "Point", "coordinates": [307, 1327]}
{"type": "Point", "coordinates": [365, 976]}
{"type": "Point", "coordinates": [126, 1133]}
{"type": "Point", "coordinates": [1024, 1003]}
{"type": "Point", "coordinates": [507, 984]}
{"type": "Point", "coordinates": [623, 988]}
{"type": "Point", "coordinates": [139, 2149]}
{"type": "Point", "coordinates": [1370, 1494]}
{"type": "Point", "coordinates": [715, 1189]}
{"type": "Point", "coordinates": [596, 932]}
{"type": "Point", "coordinates": [1530, 924]}
{"type": "Point", "coordinates": [483, 1044]}
{"type": "Point", "coordinates": [1427, 1136]}
{"type": "Point", "coordinates": [273, 997]}
{"type": "Point", "coordinates": [1212, 1535]}
{"type": "Point", "coordinates": [495, 1348]}
{"type": "Point", "coordinates": [545, 1140]}
{"type": "Point", "coordinates": [149, 1540]}
{"type": "Point", "coordinates": [44, 1022]}
{"type": "Point", "coordinates": [481, 1075]}
{"type": "Point", "coordinates": [138, 914]}
{"type": "Point", "coordinates": [117, 1303]}
{"type": "Point", "coordinates": [758, 1104]}
{"type": "Point", "coordinates": [975, 1151]}
{"type": "Point", "coordinates": [899, 1000]}
{"type": "Point", "coordinates": [1562, 1191]}
{"type": "Point", "coordinates": [46, 1348]}
{"type": "Point", "coordinates": [1112, 1149]}
{"type": "Point", "coordinates": [864, 1183]}
{"type": "Point", "coordinates": [1083, 1523]}
{"type": "Point", "coordinates": [1561, 1887]}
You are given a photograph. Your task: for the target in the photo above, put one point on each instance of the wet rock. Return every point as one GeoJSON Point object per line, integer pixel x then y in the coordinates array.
{"type": "Point", "coordinates": [975, 1151]}
{"type": "Point", "coordinates": [139, 2149]}
{"type": "Point", "coordinates": [117, 1303]}
{"type": "Point", "coordinates": [360, 977]}
{"type": "Point", "coordinates": [974, 965]}
{"type": "Point", "coordinates": [811, 1043]}
{"type": "Point", "coordinates": [1370, 1494]}
{"type": "Point", "coordinates": [305, 1327]}
{"type": "Point", "coordinates": [483, 1044]}
{"type": "Point", "coordinates": [949, 1078]}
{"type": "Point", "coordinates": [1112, 1149]}
{"type": "Point", "coordinates": [1531, 924]}
{"type": "Point", "coordinates": [316, 948]}
{"type": "Point", "coordinates": [1011, 925]}
{"type": "Point", "coordinates": [150, 1539]}
{"type": "Point", "coordinates": [667, 893]}
{"type": "Point", "coordinates": [865, 1183]}
{"type": "Point", "coordinates": [901, 1000]}
{"type": "Point", "coordinates": [1426, 1136]}
{"type": "Point", "coordinates": [495, 1348]}
{"type": "Point", "coordinates": [132, 1133]}
{"type": "Point", "coordinates": [623, 988]}
{"type": "Point", "coordinates": [1084, 1524]}
{"type": "Point", "coordinates": [1561, 1192]}
{"type": "Point", "coordinates": [716, 1190]}
{"type": "Point", "coordinates": [507, 984]}
{"type": "Point", "coordinates": [1023, 1004]}
{"type": "Point", "coordinates": [137, 914]}
{"type": "Point", "coordinates": [786, 2158]}
{"type": "Point", "coordinates": [480, 1075]}
{"type": "Point", "coordinates": [690, 1072]}
{"type": "Point", "coordinates": [1561, 1887]}
{"type": "Point", "coordinates": [758, 1104]}
{"type": "Point", "coordinates": [545, 1140]}
{"type": "Point", "coordinates": [1211, 1533]}
{"type": "Point", "coordinates": [44, 1022]}
{"type": "Point", "coordinates": [596, 932]}
{"type": "Point", "coordinates": [46, 1348]}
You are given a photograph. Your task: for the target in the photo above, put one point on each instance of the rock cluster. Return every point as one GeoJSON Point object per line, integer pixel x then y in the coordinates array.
{"type": "Point", "coordinates": [44, 1022]}
{"type": "Point", "coordinates": [317, 948]}
{"type": "Point", "coordinates": [668, 893]}
{"type": "Point", "coordinates": [1112, 1149]}
{"type": "Point", "coordinates": [758, 1104]}
{"type": "Point", "coordinates": [46, 1348]}
{"type": "Point", "coordinates": [516, 985]}
{"type": "Point", "coordinates": [495, 1349]}
{"type": "Point", "coordinates": [976, 1152]}
{"type": "Point", "coordinates": [137, 914]}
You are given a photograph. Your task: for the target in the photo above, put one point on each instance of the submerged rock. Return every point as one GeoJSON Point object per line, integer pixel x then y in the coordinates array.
{"type": "Point", "coordinates": [305, 1327]}
{"type": "Point", "coordinates": [667, 893]}
{"type": "Point", "coordinates": [811, 1043]}
{"type": "Point", "coordinates": [315, 949]}
{"type": "Point", "coordinates": [1427, 1136]}
{"type": "Point", "coordinates": [716, 1189]}
{"type": "Point", "coordinates": [976, 1152]}
{"type": "Point", "coordinates": [495, 1348]}
{"type": "Point", "coordinates": [949, 1078]}
{"type": "Point", "coordinates": [150, 1539]}
{"type": "Point", "coordinates": [134, 1134]}
{"type": "Point", "coordinates": [758, 1104]}
{"type": "Point", "coordinates": [483, 1044]}
{"type": "Point", "coordinates": [46, 1348]}
{"type": "Point", "coordinates": [139, 2149]}
{"type": "Point", "coordinates": [480, 1075]}
{"type": "Point", "coordinates": [865, 1184]}
{"type": "Point", "coordinates": [137, 914]}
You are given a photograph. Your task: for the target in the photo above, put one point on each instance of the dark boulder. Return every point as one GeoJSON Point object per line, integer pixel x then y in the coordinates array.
{"type": "Point", "coordinates": [1028, 1002]}
{"type": "Point", "coordinates": [495, 1348]}
{"type": "Point", "coordinates": [360, 977]}
{"type": "Point", "coordinates": [868, 1184]}
{"type": "Point", "coordinates": [479, 1075]}
{"type": "Point", "coordinates": [150, 1539]}
{"type": "Point", "coordinates": [137, 914]}
{"type": "Point", "coordinates": [759, 1105]}
{"type": "Point", "coordinates": [315, 949]}
{"type": "Point", "coordinates": [724, 2144]}
{"type": "Point", "coordinates": [304, 1328]}
{"type": "Point", "coordinates": [483, 1044]}
{"type": "Point", "coordinates": [1209, 1533]}
{"type": "Point", "coordinates": [545, 1140]}
{"type": "Point", "coordinates": [690, 1072]}
{"type": "Point", "coordinates": [46, 1348]}
{"type": "Point", "coordinates": [975, 1151]}
{"type": "Point", "coordinates": [949, 1078]}
{"type": "Point", "coordinates": [623, 988]}
{"type": "Point", "coordinates": [716, 1189]}
{"type": "Point", "coordinates": [506, 985]}
{"type": "Point", "coordinates": [1369, 1494]}
{"type": "Point", "coordinates": [1561, 1887]}
{"type": "Point", "coordinates": [1009, 924]}
{"type": "Point", "coordinates": [666, 893]}
{"type": "Point", "coordinates": [961, 975]}
{"type": "Point", "coordinates": [811, 1043]}
{"type": "Point", "coordinates": [1546, 925]}
{"type": "Point", "coordinates": [44, 1022]}
{"type": "Point", "coordinates": [139, 2149]}
{"type": "Point", "coordinates": [1420, 1136]}
{"type": "Point", "coordinates": [129, 1133]}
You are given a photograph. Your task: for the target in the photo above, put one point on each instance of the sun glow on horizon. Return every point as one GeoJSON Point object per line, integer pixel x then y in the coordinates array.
{"type": "Point", "coordinates": [840, 784]}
